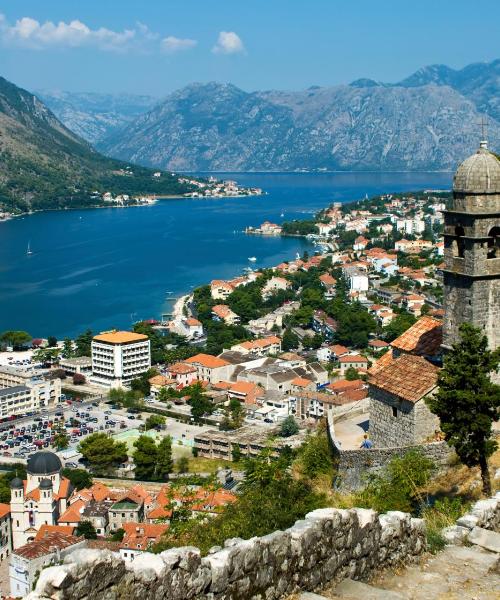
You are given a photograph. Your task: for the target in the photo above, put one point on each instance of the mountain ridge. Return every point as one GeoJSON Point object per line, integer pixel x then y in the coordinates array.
{"type": "Point", "coordinates": [427, 121]}
{"type": "Point", "coordinates": [45, 165]}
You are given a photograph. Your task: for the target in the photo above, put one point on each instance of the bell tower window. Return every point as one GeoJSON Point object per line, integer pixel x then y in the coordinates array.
{"type": "Point", "coordinates": [458, 242]}
{"type": "Point", "coordinates": [494, 243]}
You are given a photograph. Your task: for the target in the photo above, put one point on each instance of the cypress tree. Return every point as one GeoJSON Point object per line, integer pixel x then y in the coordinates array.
{"type": "Point", "coordinates": [164, 462]}
{"type": "Point", "coordinates": [467, 401]}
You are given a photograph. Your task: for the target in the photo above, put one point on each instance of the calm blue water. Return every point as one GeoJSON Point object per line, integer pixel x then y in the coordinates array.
{"type": "Point", "coordinates": [107, 268]}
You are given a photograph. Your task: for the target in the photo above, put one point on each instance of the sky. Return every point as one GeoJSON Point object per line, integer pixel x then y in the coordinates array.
{"type": "Point", "coordinates": [156, 46]}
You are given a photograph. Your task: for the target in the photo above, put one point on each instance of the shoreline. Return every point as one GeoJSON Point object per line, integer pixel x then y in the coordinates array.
{"type": "Point", "coordinates": [139, 205]}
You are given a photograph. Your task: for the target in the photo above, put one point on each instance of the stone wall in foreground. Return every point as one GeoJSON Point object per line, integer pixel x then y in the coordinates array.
{"type": "Point", "coordinates": [328, 545]}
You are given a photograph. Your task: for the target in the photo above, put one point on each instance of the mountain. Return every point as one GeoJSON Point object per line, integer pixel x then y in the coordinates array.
{"type": "Point", "coordinates": [363, 126]}
{"type": "Point", "coordinates": [479, 82]}
{"type": "Point", "coordinates": [95, 116]}
{"type": "Point", "coordinates": [45, 165]}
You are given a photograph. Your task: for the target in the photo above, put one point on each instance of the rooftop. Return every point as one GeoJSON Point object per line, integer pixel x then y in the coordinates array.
{"type": "Point", "coordinates": [423, 338]}
{"type": "Point", "coordinates": [120, 337]}
{"type": "Point", "coordinates": [409, 377]}
{"type": "Point", "coordinates": [48, 545]}
{"type": "Point", "coordinates": [207, 360]}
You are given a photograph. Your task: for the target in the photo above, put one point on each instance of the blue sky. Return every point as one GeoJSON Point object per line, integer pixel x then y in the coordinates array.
{"type": "Point", "coordinates": [156, 46]}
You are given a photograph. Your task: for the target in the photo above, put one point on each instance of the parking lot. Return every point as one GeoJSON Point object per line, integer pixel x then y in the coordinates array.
{"type": "Point", "coordinates": [22, 437]}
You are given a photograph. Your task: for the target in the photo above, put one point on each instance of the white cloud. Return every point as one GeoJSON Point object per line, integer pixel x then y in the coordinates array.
{"type": "Point", "coordinates": [173, 44]}
{"type": "Point", "coordinates": [30, 33]}
{"type": "Point", "coordinates": [228, 42]}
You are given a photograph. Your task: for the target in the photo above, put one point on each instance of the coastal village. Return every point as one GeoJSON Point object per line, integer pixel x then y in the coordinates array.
{"type": "Point", "coordinates": [348, 336]}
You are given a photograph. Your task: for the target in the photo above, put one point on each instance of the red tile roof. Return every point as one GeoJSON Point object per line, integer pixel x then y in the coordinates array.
{"type": "Point", "coordinates": [45, 530]}
{"type": "Point", "coordinates": [343, 385]}
{"type": "Point", "coordinates": [207, 360]}
{"type": "Point", "coordinates": [382, 362]}
{"type": "Point", "coordinates": [4, 510]}
{"type": "Point", "coordinates": [47, 545]}
{"type": "Point", "coordinates": [423, 338]}
{"type": "Point", "coordinates": [353, 358]}
{"type": "Point", "coordinates": [409, 377]}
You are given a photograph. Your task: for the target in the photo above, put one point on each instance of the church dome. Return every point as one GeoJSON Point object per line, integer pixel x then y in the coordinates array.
{"type": "Point", "coordinates": [45, 484]}
{"type": "Point", "coordinates": [478, 174]}
{"type": "Point", "coordinates": [44, 463]}
{"type": "Point", "coordinates": [16, 483]}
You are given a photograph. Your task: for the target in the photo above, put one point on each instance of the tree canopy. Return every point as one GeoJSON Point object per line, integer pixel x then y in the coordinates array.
{"type": "Point", "coordinates": [467, 401]}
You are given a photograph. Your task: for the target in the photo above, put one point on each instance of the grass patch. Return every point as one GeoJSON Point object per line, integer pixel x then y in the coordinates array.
{"type": "Point", "coordinates": [208, 465]}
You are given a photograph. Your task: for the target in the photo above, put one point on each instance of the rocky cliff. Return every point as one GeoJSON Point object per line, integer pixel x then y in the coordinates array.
{"type": "Point", "coordinates": [428, 121]}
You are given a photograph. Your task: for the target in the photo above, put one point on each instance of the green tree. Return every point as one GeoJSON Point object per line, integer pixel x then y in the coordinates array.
{"type": "Point", "coordinates": [290, 341]}
{"type": "Point", "coordinates": [51, 341]}
{"type": "Point", "coordinates": [83, 343]}
{"type": "Point", "coordinates": [118, 535]}
{"type": "Point", "coordinates": [61, 441]}
{"type": "Point", "coordinates": [86, 529]}
{"type": "Point", "coordinates": [141, 384]}
{"type": "Point", "coordinates": [351, 374]}
{"type": "Point", "coordinates": [154, 421]}
{"type": "Point", "coordinates": [234, 415]}
{"type": "Point", "coordinates": [16, 339]}
{"type": "Point", "coordinates": [398, 486]}
{"type": "Point", "coordinates": [200, 404]}
{"type": "Point", "coordinates": [163, 395]}
{"type": "Point", "coordinates": [314, 455]}
{"type": "Point", "coordinates": [164, 461]}
{"type": "Point", "coordinates": [46, 356]}
{"type": "Point", "coordinates": [67, 351]}
{"type": "Point", "coordinates": [467, 401]}
{"type": "Point", "coordinates": [289, 427]}
{"type": "Point", "coordinates": [398, 326]}
{"type": "Point", "coordinates": [80, 478]}
{"type": "Point", "coordinates": [236, 453]}
{"type": "Point", "coordinates": [183, 464]}
{"type": "Point", "coordinates": [102, 452]}
{"type": "Point", "coordinates": [145, 457]}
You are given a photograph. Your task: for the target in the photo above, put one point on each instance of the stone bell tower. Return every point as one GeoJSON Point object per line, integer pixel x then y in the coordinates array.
{"type": "Point", "coordinates": [472, 249]}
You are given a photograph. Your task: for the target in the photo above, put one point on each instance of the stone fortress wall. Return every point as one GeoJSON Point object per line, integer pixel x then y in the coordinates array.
{"type": "Point", "coordinates": [353, 466]}
{"type": "Point", "coordinates": [328, 545]}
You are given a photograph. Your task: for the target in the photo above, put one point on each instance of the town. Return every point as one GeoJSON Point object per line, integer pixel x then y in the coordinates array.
{"type": "Point", "coordinates": [111, 439]}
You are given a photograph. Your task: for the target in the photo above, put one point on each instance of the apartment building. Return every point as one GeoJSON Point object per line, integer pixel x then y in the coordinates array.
{"type": "Point", "coordinates": [23, 391]}
{"type": "Point", "coordinates": [118, 357]}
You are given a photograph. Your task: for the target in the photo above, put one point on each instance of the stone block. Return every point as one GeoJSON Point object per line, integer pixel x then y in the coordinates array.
{"type": "Point", "coordinates": [489, 540]}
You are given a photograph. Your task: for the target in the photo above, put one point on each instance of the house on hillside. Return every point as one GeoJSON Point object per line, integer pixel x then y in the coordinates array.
{"type": "Point", "coordinates": [399, 415]}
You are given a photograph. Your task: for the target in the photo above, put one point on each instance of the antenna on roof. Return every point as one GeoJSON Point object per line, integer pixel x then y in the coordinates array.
{"type": "Point", "coordinates": [484, 133]}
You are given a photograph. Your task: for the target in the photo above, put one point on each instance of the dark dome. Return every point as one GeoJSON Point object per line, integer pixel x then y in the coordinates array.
{"type": "Point", "coordinates": [44, 463]}
{"type": "Point", "coordinates": [45, 484]}
{"type": "Point", "coordinates": [16, 483]}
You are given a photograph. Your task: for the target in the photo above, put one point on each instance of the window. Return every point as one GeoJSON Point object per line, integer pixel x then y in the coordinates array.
{"type": "Point", "coordinates": [459, 243]}
{"type": "Point", "coordinates": [494, 243]}
{"type": "Point", "coordinates": [394, 411]}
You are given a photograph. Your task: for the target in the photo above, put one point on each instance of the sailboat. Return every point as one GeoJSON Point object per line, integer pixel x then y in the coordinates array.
{"type": "Point", "coordinates": [29, 251]}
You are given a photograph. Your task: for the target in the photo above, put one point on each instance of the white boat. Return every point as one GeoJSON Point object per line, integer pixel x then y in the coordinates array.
{"type": "Point", "coordinates": [29, 251]}
{"type": "Point", "coordinates": [252, 259]}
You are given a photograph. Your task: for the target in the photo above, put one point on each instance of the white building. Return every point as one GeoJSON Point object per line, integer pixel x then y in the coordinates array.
{"type": "Point", "coordinates": [40, 499]}
{"type": "Point", "coordinates": [358, 280]}
{"type": "Point", "coordinates": [274, 284]}
{"type": "Point", "coordinates": [5, 531]}
{"type": "Point", "coordinates": [27, 561]}
{"type": "Point", "coordinates": [22, 391]}
{"type": "Point", "coordinates": [118, 357]}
